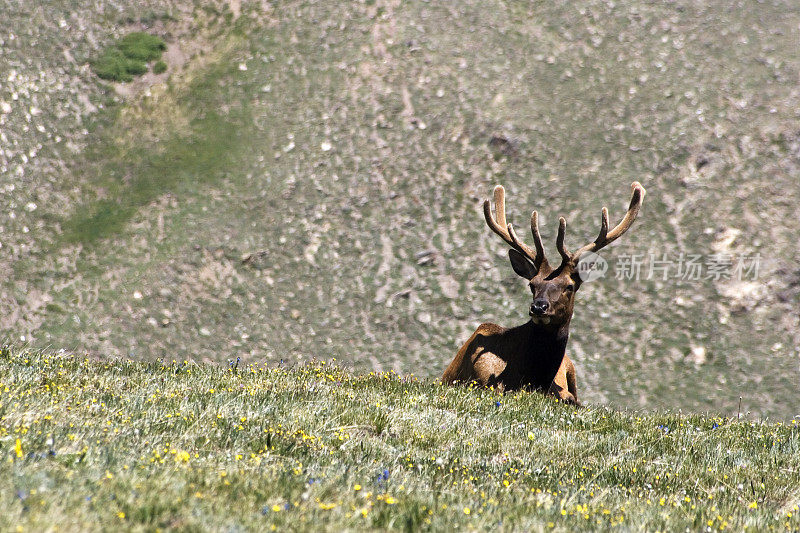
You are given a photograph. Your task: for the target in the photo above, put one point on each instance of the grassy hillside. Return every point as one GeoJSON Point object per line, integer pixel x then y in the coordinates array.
{"type": "Point", "coordinates": [95, 445]}
{"type": "Point", "coordinates": [306, 179]}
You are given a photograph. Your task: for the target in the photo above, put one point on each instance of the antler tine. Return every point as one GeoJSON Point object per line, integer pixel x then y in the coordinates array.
{"type": "Point", "coordinates": [537, 239]}
{"type": "Point", "coordinates": [499, 202]}
{"type": "Point", "coordinates": [637, 196]}
{"type": "Point", "coordinates": [498, 224]}
{"type": "Point", "coordinates": [606, 237]}
{"type": "Point", "coordinates": [603, 225]}
{"type": "Point", "coordinates": [534, 256]}
{"type": "Point", "coordinates": [562, 230]}
{"type": "Point", "coordinates": [487, 212]}
{"type": "Point", "coordinates": [500, 205]}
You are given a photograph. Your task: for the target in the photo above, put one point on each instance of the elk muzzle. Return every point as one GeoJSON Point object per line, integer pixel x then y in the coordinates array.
{"type": "Point", "coordinates": [539, 307]}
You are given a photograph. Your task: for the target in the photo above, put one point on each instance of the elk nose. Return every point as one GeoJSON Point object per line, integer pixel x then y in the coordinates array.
{"type": "Point", "coordinates": [539, 307]}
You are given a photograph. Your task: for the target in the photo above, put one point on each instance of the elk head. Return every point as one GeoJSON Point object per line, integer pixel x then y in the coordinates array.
{"type": "Point", "coordinates": [553, 290]}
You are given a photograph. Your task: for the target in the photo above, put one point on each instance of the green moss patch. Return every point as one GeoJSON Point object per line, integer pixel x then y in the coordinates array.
{"type": "Point", "coordinates": [142, 46]}
{"type": "Point", "coordinates": [159, 67]}
{"type": "Point", "coordinates": [135, 174]}
{"type": "Point", "coordinates": [128, 57]}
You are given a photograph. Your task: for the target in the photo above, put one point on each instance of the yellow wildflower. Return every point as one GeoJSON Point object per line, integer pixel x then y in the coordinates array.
{"type": "Point", "coordinates": [182, 457]}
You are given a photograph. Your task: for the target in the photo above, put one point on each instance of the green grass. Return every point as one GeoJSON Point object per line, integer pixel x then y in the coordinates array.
{"type": "Point", "coordinates": [197, 157]}
{"type": "Point", "coordinates": [115, 66]}
{"type": "Point", "coordinates": [107, 444]}
{"type": "Point", "coordinates": [139, 172]}
{"type": "Point", "coordinates": [590, 97]}
{"type": "Point", "coordinates": [142, 46]}
{"type": "Point", "coordinates": [128, 57]}
{"type": "Point", "coordinates": [159, 67]}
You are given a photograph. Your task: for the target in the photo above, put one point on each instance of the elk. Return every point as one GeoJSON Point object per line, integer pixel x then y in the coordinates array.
{"type": "Point", "coordinates": [533, 356]}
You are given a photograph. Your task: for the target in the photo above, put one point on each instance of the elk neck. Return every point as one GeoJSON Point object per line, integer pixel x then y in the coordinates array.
{"type": "Point", "coordinates": [542, 351]}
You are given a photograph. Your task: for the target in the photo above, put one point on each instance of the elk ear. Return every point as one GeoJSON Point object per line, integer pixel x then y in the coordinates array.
{"type": "Point", "coordinates": [521, 265]}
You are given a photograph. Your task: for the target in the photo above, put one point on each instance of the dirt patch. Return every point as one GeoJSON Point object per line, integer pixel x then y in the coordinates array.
{"type": "Point", "coordinates": [184, 43]}
{"type": "Point", "coordinates": [25, 315]}
{"type": "Point", "coordinates": [174, 56]}
{"type": "Point", "coordinates": [236, 8]}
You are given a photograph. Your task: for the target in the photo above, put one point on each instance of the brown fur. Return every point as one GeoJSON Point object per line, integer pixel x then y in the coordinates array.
{"type": "Point", "coordinates": [533, 356]}
{"type": "Point", "coordinates": [475, 362]}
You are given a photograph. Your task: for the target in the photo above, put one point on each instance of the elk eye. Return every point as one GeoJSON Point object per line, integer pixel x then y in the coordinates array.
{"type": "Point", "coordinates": [570, 288]}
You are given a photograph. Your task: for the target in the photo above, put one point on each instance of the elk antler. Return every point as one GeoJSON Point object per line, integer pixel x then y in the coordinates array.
{"type": "Point", "coordinates": [605, 237]}
{"type": "Point", "coordinates": [506, 231]}
{"type": "Point", "coordinates": [562, 229]}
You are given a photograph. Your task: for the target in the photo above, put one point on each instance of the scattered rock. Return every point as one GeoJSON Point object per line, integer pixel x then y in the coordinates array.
{"type": "Point", "coordinates": [502, 145]}
{"type": "Point", "coordinates": [743, 295]}
{"type": "Point", "coordinates": [697, 355]}
{"type": "Point", "coordinates": [724, 239]}
{"type": "Point", "coordinates": [450, 287]}
{"type": "Point", "coordinates": [425, 257]}
{"type": "Point", "coordinates": [680, 301]}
